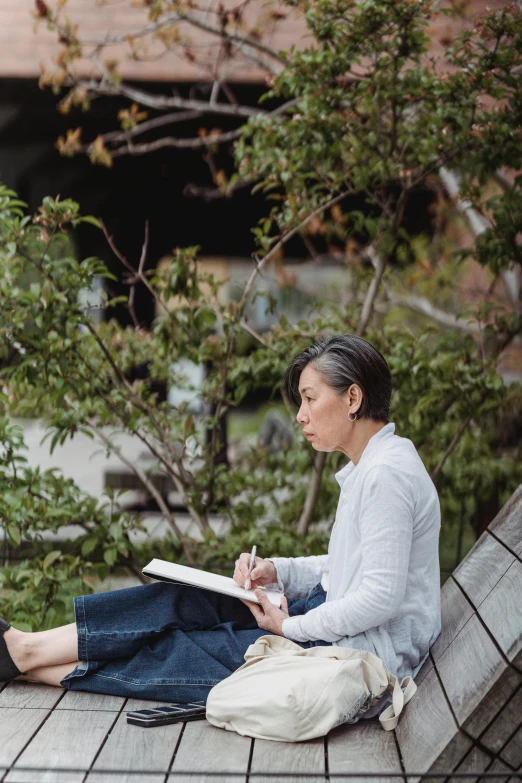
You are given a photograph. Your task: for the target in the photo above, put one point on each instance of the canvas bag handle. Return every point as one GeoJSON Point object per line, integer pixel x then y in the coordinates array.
{"type": "Point", "coordinates": [389, 718]}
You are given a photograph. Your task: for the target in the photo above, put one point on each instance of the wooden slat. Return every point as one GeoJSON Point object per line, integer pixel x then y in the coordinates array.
{"type": "Point", "coordinates": [294, 757]}
{"type": "Point", "coordinates": [143, 704]}
{"type": "Point", "coordinates": [496, 736]}
{"type": "Point", "coordinates": [364, 747]}
{"type": "Point", "coordinates": [427, 733]}
{"type": "Point", "coordinates": [484, 566]}
{"type": "Point", "coordinates": [67, 739]}
{"type": "Point", "coordinates": [502, 611]}
{"type": "Point", "coordinates": [204, 748]}
{"type": "Point", "coordinates": [133, 748]}
{"type": "Point", "coordinates": [82, 700]}
{"type": "Point", "coordinates": [17, 726]}
{"type": "Point", "coordinates": [29, 694]}
{"type": "Point", "coordinates": [493, 703]}
{"type": "Point", "coordinates": [500, 767]}
{"type": "Point", "coordinates": [469, 668]}
{"type": "Point", "coordinates": [507, 525]}
{"type": "Point", "coordinates": [475, 761]}
{"type": "Point", "coordinates": [456, 610]}
{"type": "Point", "coordinates": [512, 753]}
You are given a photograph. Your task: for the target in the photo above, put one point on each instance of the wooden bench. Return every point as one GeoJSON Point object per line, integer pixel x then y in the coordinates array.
{"type": "Point", "coordinates": [466, 716]}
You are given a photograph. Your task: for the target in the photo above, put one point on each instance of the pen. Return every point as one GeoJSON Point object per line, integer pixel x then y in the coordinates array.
{"type": "Point", "coordinates": [250, 567]}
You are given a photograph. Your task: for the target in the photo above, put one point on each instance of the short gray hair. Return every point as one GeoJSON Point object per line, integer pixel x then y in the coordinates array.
{"type": "Point", "coordinates": [342, 361]}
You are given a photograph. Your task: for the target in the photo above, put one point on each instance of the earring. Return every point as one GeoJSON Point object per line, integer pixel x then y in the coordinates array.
{"type": "Point", "coordinates": [355, 416]}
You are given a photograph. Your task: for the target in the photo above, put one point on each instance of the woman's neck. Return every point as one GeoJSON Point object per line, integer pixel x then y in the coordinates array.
{"type": "Point", "coordinates": [362, 432]}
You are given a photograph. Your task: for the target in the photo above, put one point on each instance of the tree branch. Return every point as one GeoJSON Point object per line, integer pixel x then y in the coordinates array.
{"type": "Point", "coordinates": [320, 459]}
{"type": "Point", "coordinates": [478, 224]}
{"type": "Point", "coordinates": [284, 239]}
{"type": "Point", "coordinates": [452, 445]}
{"type": "Point", "coordinates": [313, 492]}
{"type": "Point", "coordinates": [373, 289]}
{"type": "Point", "coordinates": [421, 305]}
{"type": "Point", "coordinates": [251, 47]}
{"type": "Point", "coordinates": [143, 478]}
{"type": "Point", "coordinates": [162, 102]}
{"type": "Point", "coordinates": [198, 142]}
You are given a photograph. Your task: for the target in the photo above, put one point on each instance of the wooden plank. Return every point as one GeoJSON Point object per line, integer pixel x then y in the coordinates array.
{"type": "Point", "coordinates": [427, 734]}
{"type": "Point", "coordinates": [503, 771]}
{"type": "Point", "coordinates": [456, 610]}
{"type": "Point", "coordinates": [425, 669]}
{"type": "Point", "coordinates": [17, 726]}
{"type": "Point", "coordinates": [130, 748]}
{"type": "Point", "coordinates": [502, 611]}
{"type": "Point", "coordinates": [82, 700]}
{"type": "Point", "coordinates": [496, 736]}
{"type": "Point", "coordinates": [294, 757]}
{"type": "Point", "coordinates": [364, 747]}
{"type": "Point", "coordinates": [67, 739]}
{"type": "Point", "coordinates": [493, 703]}
{"type": "Point", "coordinates": [483, 567]}
{"type": "Point", "coordinates": [475, 761]}
{"type": "Point", "coordinates": [144, 704]}
{"type": "Point", "coordinates": [512, 753]}
{"type": "Point", "coordinates": [469, 668]}
{"type": "Point", "coordinates": [507, 525]}
{"type": "Point", "coordinates": [204, 749]}
{"type": "Point", "coordinates": [30, 694]}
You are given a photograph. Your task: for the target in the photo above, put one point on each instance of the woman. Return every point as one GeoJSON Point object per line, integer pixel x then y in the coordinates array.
{"type": "Point", "coordinates": [377, 589]}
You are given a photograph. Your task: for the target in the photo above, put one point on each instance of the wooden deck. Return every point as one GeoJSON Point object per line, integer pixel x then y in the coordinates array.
{"type": "Point", "coordinates": [466, 716]}
{"type": "Point", "coordinates": [42, 727]}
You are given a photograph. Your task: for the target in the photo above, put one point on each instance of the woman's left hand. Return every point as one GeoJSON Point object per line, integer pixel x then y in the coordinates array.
{"type": "Point", "coordinates": [268, 616]}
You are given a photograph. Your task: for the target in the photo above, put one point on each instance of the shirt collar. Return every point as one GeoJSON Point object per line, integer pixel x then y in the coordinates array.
{"type": "Point", "coordinates": [374, 443]}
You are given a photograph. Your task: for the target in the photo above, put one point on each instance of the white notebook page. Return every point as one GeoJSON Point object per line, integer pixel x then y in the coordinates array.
{"type": "Point", "coordinates": [205, 579]}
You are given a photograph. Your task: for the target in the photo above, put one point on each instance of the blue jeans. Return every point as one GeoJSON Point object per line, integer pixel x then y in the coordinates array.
{"type": "Point", "coordinates": [163, 641]}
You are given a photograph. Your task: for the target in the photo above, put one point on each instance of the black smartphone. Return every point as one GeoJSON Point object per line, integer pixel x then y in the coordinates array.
{"type": "Point", "coordinates": [174, 713]}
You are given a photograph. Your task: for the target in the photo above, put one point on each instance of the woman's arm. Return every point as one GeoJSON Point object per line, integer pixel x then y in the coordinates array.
{"type": "Point", "coordinates": [297, 575]}
{"type": "Point", "coordinates": [386, 529]}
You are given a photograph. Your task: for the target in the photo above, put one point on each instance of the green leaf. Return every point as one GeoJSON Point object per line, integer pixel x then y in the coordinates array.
{"type": "Point", "coordinates": [90, 219]}
{"type": "Point", "coordinates": [51, 558]}
{"type": "Point", "coordinates": [110, 555]}
{"type": "Point", "coordinates": [14, 534]}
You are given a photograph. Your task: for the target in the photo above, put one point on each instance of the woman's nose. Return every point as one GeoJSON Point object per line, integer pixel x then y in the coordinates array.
{"type": "Point", "coordinates": [301, 416]}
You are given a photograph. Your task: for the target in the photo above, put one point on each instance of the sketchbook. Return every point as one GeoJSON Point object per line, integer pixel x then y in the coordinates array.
{"type": "Point", "coordinates": [164, 571]}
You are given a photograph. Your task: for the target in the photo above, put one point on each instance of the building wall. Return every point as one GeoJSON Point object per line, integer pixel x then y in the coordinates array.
{"type": "Point", "coordinates": [23, 50]}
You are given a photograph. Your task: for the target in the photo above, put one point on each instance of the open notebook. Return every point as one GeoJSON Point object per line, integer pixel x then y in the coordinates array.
{"type": "Point", "coordinates": [164, 571]}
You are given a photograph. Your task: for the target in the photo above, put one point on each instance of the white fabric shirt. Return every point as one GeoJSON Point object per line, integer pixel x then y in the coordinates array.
{"type": "Point", "coordinates": [381, 572]}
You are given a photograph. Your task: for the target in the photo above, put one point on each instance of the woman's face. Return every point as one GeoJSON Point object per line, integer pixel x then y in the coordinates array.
{"type": "Point", "coordinates": [324, 413]}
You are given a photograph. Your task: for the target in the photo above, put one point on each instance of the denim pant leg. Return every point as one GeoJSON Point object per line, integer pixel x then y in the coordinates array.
{"type": "Point", "coordinates": [117, 624]}
{"type": "Point", "coordinates": [297, 606]}
{"type": "Point", "coordinates": [159, 641]}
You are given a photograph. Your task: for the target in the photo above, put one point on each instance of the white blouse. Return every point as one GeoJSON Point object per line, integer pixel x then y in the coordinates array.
{"type": "Point", "coordinates": [381, 572]}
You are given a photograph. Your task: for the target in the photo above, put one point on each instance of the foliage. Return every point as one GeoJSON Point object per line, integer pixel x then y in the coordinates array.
{"type": "Point", "coordinates": [368, 118]}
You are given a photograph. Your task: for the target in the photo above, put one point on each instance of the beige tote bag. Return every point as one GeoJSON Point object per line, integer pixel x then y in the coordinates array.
{"type": "Point", "coordinates": [284, 692]}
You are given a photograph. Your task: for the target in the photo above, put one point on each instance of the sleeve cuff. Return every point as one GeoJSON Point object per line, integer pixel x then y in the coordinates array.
{"type": "Point", "coordinates": [292, 629]}
{"type": "Point", "coordinates": [279, 584]}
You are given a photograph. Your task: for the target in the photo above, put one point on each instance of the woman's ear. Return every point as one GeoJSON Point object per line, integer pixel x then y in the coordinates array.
{"type": "Point", "coordinates": [354, 398]}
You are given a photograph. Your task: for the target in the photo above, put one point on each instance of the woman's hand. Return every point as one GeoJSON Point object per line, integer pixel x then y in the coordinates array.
{"type": "Point", "coordinates": [268, 616]}
{"type": "Point", "coordinates": [263, 573]}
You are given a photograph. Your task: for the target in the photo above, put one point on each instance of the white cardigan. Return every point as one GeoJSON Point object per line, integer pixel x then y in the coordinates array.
{"type": "Point", "coordinates": [381, 572]}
